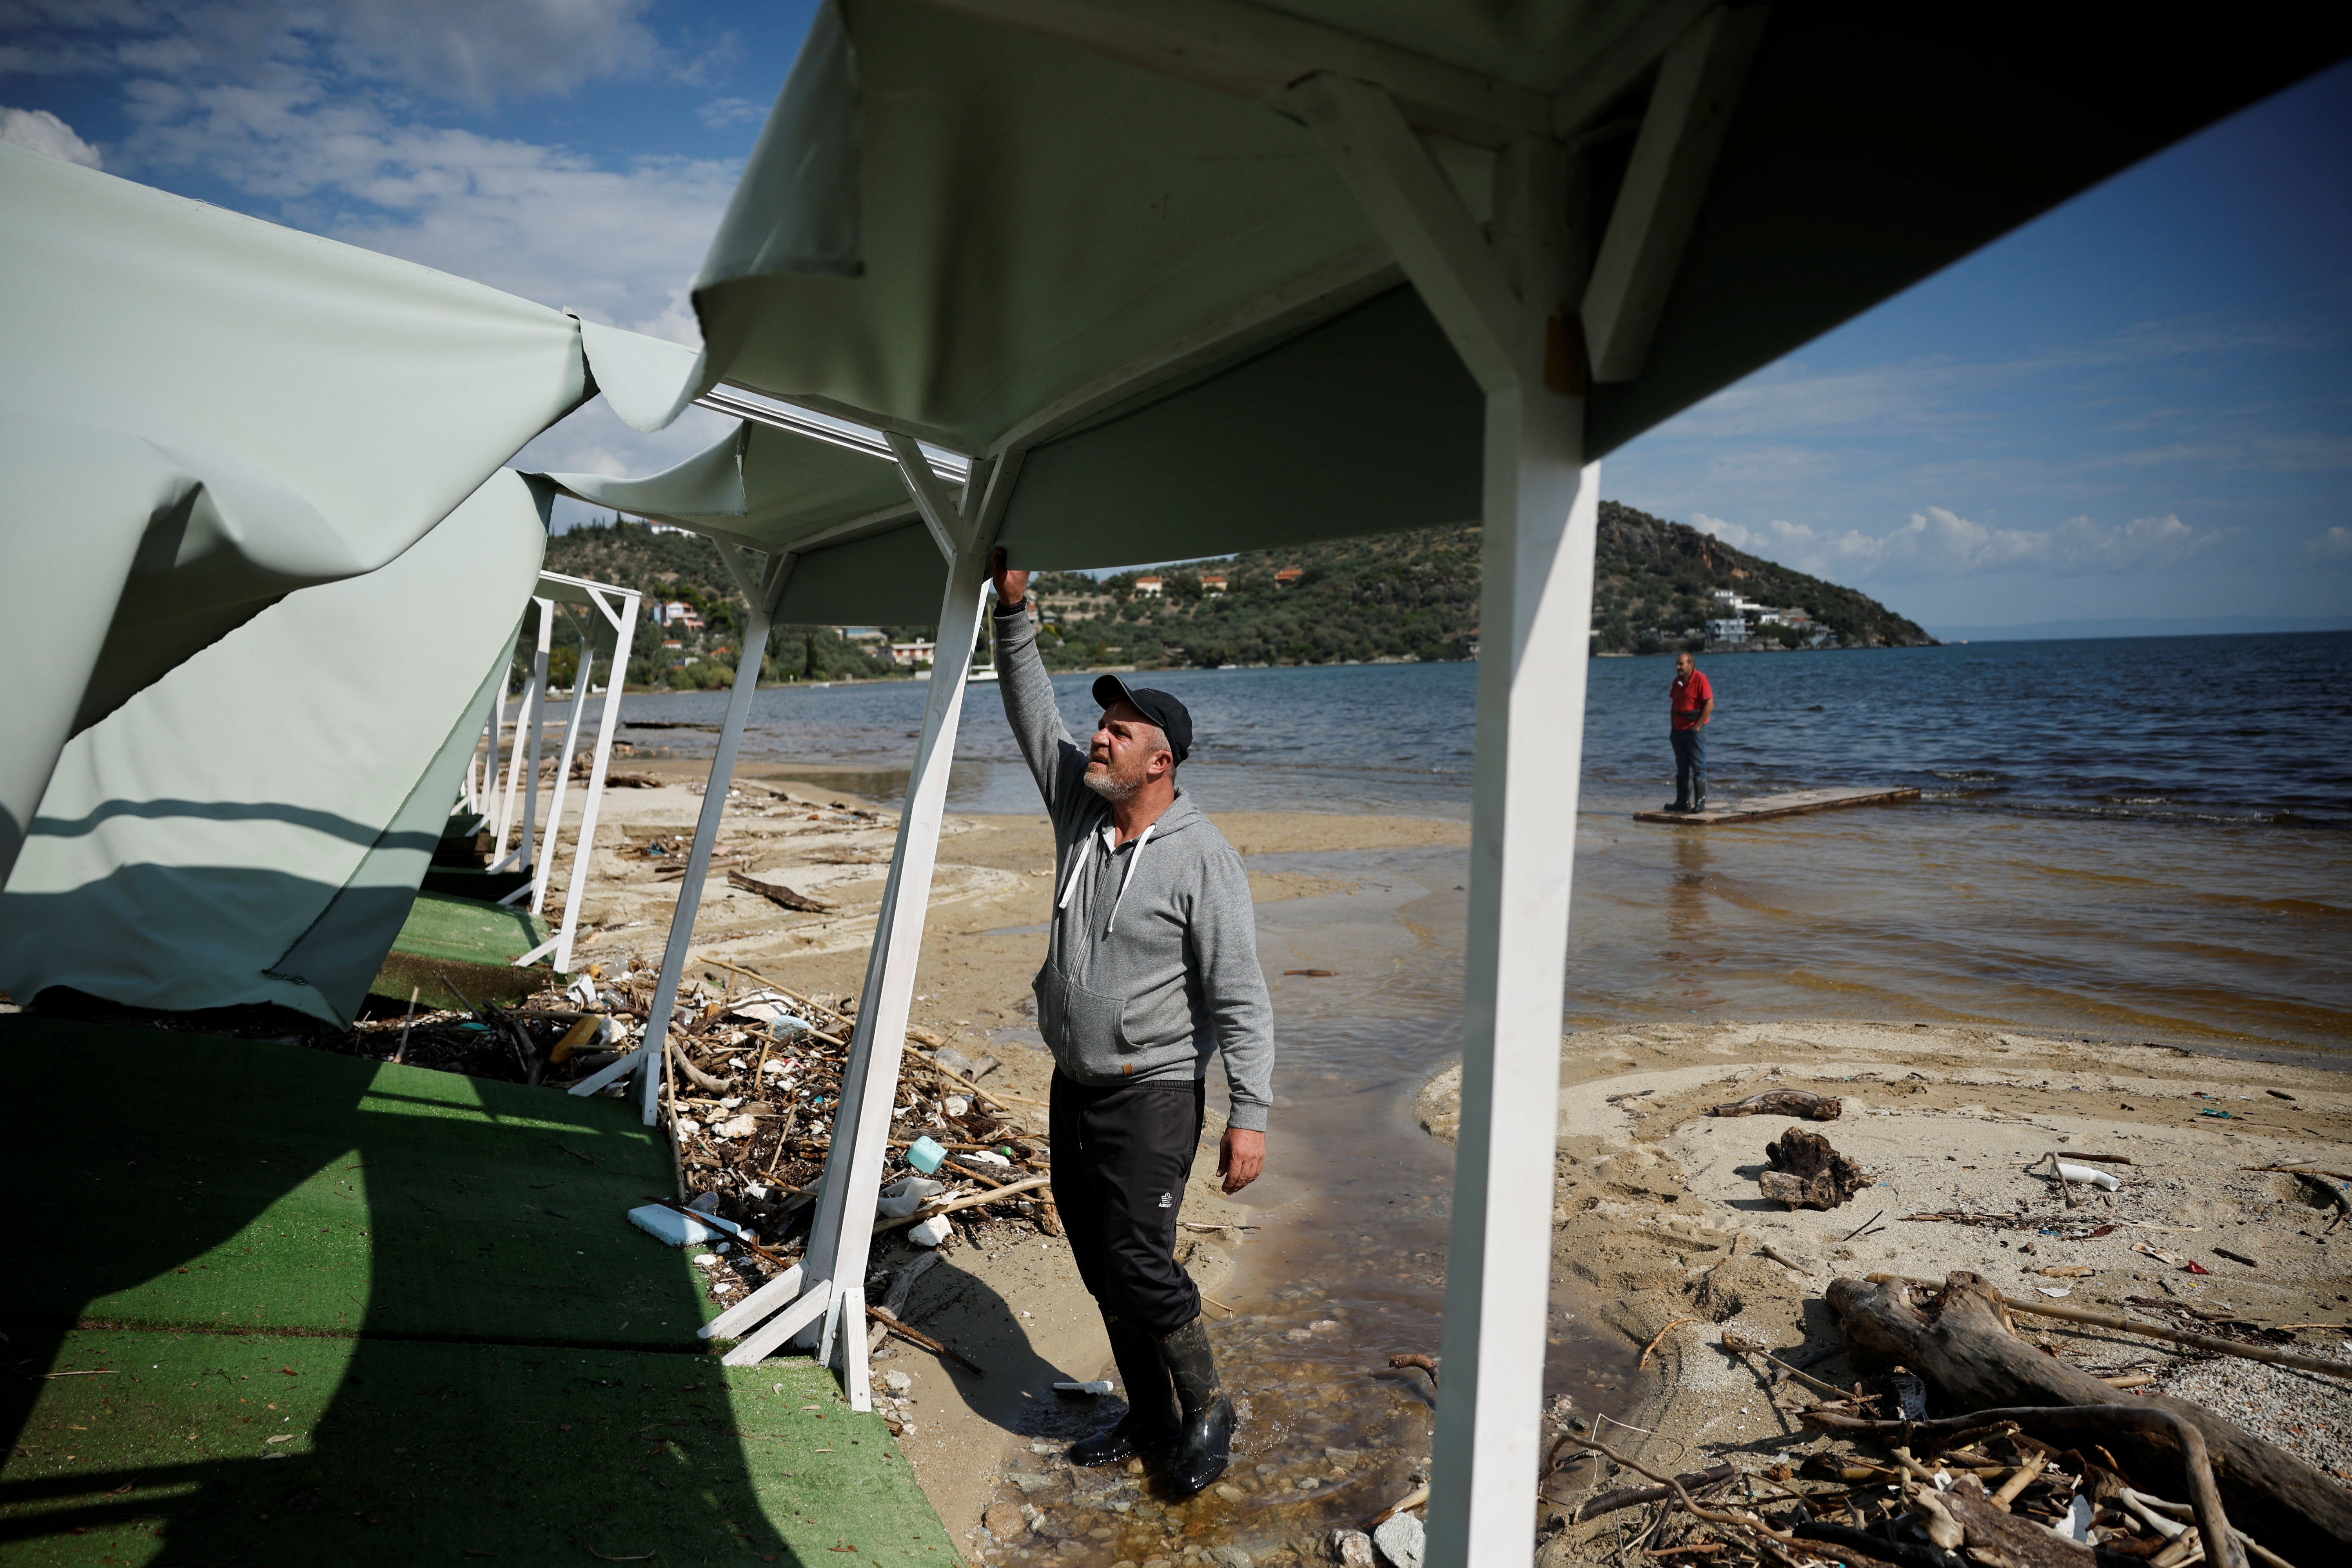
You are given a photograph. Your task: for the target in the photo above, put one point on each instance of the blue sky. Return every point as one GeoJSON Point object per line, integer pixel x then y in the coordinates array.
{"type": "Point", "coordinates": [2139, 406]}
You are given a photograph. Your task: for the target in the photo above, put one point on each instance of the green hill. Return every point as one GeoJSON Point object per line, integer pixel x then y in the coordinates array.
{"type": "Point", "coordinates": [670, 565]}
{"type": "Point", "coordinates": [1402, 596]}
{"type": "Point", "coordinates": [1414, 596]}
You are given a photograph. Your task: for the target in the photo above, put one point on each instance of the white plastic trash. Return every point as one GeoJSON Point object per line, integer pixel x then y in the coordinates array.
{"type": "Point", "coordinates": [931, 1232]}
{"type": "Point", "coordinates": [2086, 1174]}
{"type": "Point", "coordinates": [1100, 1385]}
{"type": "Point", "coordinates": [676, 1229]}
{"type": "Point", "coordinates": [904, 1196]}
{"type": "Point", "coordinates": [984, 1157]}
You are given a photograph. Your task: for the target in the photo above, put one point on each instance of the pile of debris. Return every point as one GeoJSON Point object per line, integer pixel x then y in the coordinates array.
{"type": "Point", "coordinates": [752, 1083]}
{"type": "Point", "coordinates": [2037, 1465]}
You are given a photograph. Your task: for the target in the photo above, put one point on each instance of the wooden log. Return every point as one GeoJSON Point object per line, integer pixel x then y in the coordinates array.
{"type": "Point", "coordinates": [777, 893]}
{"type": "Point", "coordinates": [1802, 1103]}
{"type": "Point", "coordinates": [1963, 1342]}
{"type": "Point", "coordinates": [1807, 1174]}
{"type": "Point", "coordinates": [2299, 1360]}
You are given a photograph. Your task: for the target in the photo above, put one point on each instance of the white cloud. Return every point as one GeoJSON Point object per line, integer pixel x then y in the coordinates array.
{"type": "Point", "coordinates": [619, 245]}
{"type": "Point", "coordinates": [45, 133]}
{"type": "Point", "coordinates": [1940, 543]}
{"type": "Point", "coordinates": [2334, 546]}
{"type": "Point", "coordinates": [466, 51]}
{"type": "Point", "coordinates": [721, 112]}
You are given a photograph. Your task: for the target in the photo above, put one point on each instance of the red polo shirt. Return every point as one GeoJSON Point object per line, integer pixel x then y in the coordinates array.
{"type": "Point", "coordinates": [1688, 697]}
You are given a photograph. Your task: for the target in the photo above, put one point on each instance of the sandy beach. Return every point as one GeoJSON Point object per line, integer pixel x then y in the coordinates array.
{"type": "Point", "coordinates": [1660, 1225]}
{"type": "Point", "coordinates": [1009, 1298]}
{"type": "Point", "coordinates": [1658, 1219]}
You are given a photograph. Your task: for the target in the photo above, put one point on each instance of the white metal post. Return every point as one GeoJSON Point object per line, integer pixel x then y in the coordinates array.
{"type": "Point", "coordinates": [841, 1237]}
{"type": "Point", "coordinates": [616, 680]}
{"type": "Point", "coordinates": [513, 771]}
{"type": "Point", "coordinates": [1500, 304]}
{"type": "Point", "coordinates": [546, 867]}
{"type": "Point", "coordinates": [527, 846]}
{"type": "Point", "coordinates": [698, 860]}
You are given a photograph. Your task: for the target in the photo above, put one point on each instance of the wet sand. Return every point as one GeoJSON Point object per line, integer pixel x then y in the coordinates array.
{"type": "Point", "coordinates": [1342, 1261]}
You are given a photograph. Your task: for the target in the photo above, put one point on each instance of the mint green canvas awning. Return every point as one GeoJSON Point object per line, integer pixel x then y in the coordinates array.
{"type": "Point", "coordinates": [252, 826]}
{"type": "Point", "coordinates": [1099, 235]}
{"type": "Point", "coordinates": [201, 413]}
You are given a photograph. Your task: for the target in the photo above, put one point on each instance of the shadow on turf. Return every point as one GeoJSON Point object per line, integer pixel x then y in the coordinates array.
{"type": "Point", "coordinates": [521, 1449]}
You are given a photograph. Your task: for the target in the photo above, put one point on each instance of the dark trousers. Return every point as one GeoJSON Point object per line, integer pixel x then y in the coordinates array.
{"type": "Point", "coordinates": [1690, 764]}
{"type": "Point", "coordinates": [1121, 1158]}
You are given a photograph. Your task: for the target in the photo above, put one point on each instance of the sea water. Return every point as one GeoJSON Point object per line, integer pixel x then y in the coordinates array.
{"type": "Point", "coordinates": [2131, 837]}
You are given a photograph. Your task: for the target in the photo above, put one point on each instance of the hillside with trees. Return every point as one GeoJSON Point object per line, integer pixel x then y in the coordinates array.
{"type": "Point", "coordinates": [1401, 597]}
{"type": "Point", "coordinates": [670, 565]}
{"type": "Point", "coordinates": [1414, 596]}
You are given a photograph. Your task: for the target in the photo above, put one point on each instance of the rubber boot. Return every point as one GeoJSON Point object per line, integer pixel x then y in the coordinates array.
{"type": "Point", "coordinates": [1152, 1417]}
{"type": "Point", "coordinates": [1205, 1443]}
{"type": "Point", "coordinates": [1680, 802]}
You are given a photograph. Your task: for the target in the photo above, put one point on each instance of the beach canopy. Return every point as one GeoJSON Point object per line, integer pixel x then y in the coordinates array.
{"type": "Point", "coordinates": [1174, 278]}
{"type": "Point", "coordinates": [1103, 234]}
{"type": "Point", "coordinates": [252, 826]}
{"type": "Point", "coordinates": [201, 413]}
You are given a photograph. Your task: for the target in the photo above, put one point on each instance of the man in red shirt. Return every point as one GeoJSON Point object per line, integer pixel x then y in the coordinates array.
{"type": "Point", "coordinates": [1690, 704]}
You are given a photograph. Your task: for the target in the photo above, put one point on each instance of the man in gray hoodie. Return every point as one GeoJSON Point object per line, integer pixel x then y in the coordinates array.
{"type": "Point", "coordinates": [1152, 967]}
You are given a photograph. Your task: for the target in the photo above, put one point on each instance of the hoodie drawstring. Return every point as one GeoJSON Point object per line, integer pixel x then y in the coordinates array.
{"type": "Point", "coordinates": [1133, 861]}
{"type": "Point", "coordinates": [1085, 857]}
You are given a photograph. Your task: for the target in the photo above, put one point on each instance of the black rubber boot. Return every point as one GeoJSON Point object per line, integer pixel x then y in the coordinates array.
{"type": "Point", "coordinates": [1152, 1417]}
{"type": "Point", "coordinates": [1698, 798]}
{"type": "Point", "coordinates": [1206, 1442]}
{"type": "Point", "coordinates": [1680, 802]}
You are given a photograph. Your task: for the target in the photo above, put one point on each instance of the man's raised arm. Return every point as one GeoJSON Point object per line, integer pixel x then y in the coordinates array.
{"type": "Point", "coordinates": [1054, 758]}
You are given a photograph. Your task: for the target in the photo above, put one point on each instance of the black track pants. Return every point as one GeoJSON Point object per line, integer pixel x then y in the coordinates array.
{"type": "Point", "coordinates": [1121, 1158]}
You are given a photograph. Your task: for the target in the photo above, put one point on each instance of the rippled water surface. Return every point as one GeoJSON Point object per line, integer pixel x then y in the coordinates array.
{"type": "Point", "coordinates": [2134, 836]}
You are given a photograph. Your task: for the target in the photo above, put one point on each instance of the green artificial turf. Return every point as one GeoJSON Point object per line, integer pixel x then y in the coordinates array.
{"type": "Point", "coordinates": [246, 1184]}
{"type": "Point", "coordinates": [470, 1351]}
{"type": "Point", "coordinates": [394, 1451]}
{"type": "Point", "coordinates": [442, 925]}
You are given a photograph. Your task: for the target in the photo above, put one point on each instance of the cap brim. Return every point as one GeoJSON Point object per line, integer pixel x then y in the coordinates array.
{"type": "Point", "coordinates": [1110, 688]}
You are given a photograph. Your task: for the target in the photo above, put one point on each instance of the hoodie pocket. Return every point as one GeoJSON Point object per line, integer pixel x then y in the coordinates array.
{"type": "Point", "coordinates": [1081, 1026]}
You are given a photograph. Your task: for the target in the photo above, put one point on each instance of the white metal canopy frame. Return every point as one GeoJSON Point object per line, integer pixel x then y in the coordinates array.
{"type": "Point", "coordinates": [536, 847]}
{"type": "Point", "coordinates": [1230, 277]}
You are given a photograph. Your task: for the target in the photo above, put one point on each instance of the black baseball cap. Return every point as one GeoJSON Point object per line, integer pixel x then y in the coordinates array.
{"type": "Point", "coordinates": [1173, 717]}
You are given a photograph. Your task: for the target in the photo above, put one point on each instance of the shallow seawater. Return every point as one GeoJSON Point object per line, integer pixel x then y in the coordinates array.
{"type": "Point", "coordinates": [1347, 1266]}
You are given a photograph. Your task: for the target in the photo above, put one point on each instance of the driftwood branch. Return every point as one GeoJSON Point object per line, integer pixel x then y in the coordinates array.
{"type": "Point", "coordinates": [2296, 1359]}
{"type": "Point", "coordinates": [1961, 1340]}
{"type": "Point", "coordinates": [2101, 1418]}
{"type": "Point", "coordinates": [1798, 1102]}
{"type": "Point", "coordinates": [917, 1337]}
{"type": "Point", "coordinates": [1634, 1497]}
{"type": "Point", "coordinates": [777, 893]}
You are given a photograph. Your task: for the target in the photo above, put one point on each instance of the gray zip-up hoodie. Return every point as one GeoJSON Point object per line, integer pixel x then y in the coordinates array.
{"type": "Point", "coordinates": [1152, 964]}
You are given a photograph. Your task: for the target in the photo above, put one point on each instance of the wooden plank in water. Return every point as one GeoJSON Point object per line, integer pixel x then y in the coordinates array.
{"type": "Point", "coordinates": [1760, 807]}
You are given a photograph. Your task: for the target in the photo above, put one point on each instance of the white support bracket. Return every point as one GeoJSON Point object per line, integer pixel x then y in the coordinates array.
{"type": "Point", "coordinates": [1418, 212]}
{"type": "Point", "coordinates": [619, 609]}
{"type": "Point", "coordinates": [581, 668]}
{"type": "Point", "coordinates": [950, 530]}
{"type": "Point", "coordinates": [1683, 130]}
